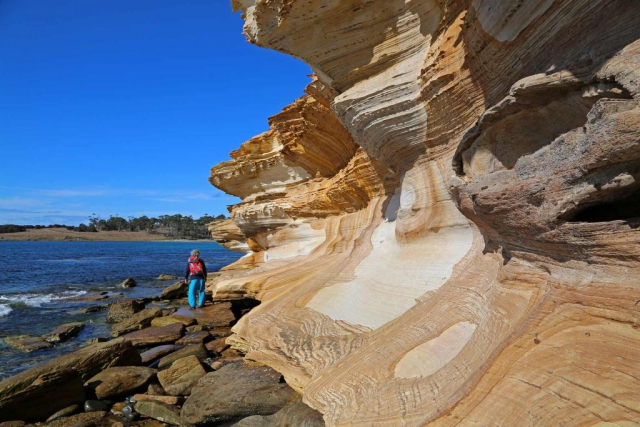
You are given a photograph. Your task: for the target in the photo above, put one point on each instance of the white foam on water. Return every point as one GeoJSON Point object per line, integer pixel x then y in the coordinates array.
{"type": "Point", "coordinates": [4, 310]}
{"type": "Point", "coordinates": [36, 300]}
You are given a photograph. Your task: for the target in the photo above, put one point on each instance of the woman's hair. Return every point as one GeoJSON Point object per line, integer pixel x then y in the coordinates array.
{"type": "Point", "coordinates": [195, 253]}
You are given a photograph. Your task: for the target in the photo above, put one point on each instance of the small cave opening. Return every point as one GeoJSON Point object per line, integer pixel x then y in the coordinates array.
{"type": "Point", "coordinates": [625, 208]}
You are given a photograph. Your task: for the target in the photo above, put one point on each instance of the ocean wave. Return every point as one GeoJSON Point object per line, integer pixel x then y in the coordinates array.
{"type": "Point", "coordinates": [36, 300]}
{"type": "Point", "coordinates": [5, 309]}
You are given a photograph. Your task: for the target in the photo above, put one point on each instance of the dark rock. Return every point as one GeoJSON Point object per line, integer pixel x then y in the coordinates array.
{"type": "Point", "coordinates": [181, 376]}
{"type": "Point", "coordinates": [177, 290]}
{"type": "Point", "coordinates": [167, 277]}
{"type": "Point", "coordinates": [221, 332]}
{"type": "Point", "coordinates": [123, 309]}
{"type": "Point", "coordinates": [64, 332]}
{"type": "Point", "coordinates": [136, 322]}
{"type": "Point", "coordinates": [12, 424]}
{"type": "Point", "coordinates": [193, 350]}
{"type": "Point", "coordinates": [96, 405]}
{"type": "Point", "coordinates": [119, 381]}
{"type": "Point", "coordinates": [27, 343]}
{"type": "Point", "coordinates": [194, 338]}
{"type": "Point", "coordinates": [62, 377]}
{"type": "Point", "coordinates": [97, 340]}
{"type": "Point", "coordinates": [157, 352]}
{"type": "Point", "coordinates": [69, 410]}
{"type": "Point", "coordinates": [160, 411]}
{"type": "Point", "coordinates": [128, 283]}
{"type": "Point", "coordinates": [94, 309]}
{"type": "Point", "coordinates": [234, 392]}
{"type": "Point", "coordinates": [297, 414]}
{"type": "Point", "coordinates": [154, 336]}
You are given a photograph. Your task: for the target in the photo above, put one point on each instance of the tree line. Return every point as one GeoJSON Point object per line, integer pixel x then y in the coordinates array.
{"type": "Point", "coordinates": [172, 226]}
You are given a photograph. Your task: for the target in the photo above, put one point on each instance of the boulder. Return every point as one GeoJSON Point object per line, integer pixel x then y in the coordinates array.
{"type": "Point", "coordinates": [87, 419]}
{"type": "Point", "coordinates": [33, 402]}
{"type": "Point", "coordinates": [169, 400]}
{"type": "Point", "coordinates": [234, 392]}
{"type": "Point", "coordinates": [167, 277]}
{"type": "Point", "coordinates": [157, 352]}
{"type": "Point", "coordinates": [217, 346]}
{"type": "Point", "coordinates": [128, 283]}
{"type": "Point", "coordinates": [178, 379]}
{"type": "Point", "coordinates": [211, 316]}
{"type": "Point", "coordinates": [119, 381]}
{"type": "Point", "coordinates": [177, 290]}
{"type": "Point", "coordinates": [136, 322]}
{"type": "Point", "coordinates": [123, 309]}
{"type": "Point", "coordinates": [65, 412]}
{"type": "Point", "coordinates": [27, 343]}
{"type": "Point", "coordinates": [163, 412]}
{"type": "Point", "coordinates": [194, 338]}
{"type": "Point", "coordinates": [155, 389]}
{"type": "Point", "coordinates": [192, 350]}
{"type": "Point", "coordinates": [167, 320]}
{"type": "Point", "coordinates": [64, 332]}
{"type": "Point", "coordinates": [297, 414]}
{"type": "Point", "coordinates": [195, 328]}
{"type": "Point", "coordinates": [62, 377]}
{"type": "Point", "coordinates": [221, 332]}
{"type": "Point", "coordinates": [155, 335]}
{"type": "Point", "coordinates": [93, 309]}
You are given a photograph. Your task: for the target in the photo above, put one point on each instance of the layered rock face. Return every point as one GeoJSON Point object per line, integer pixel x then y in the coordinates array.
{"type": "Point", "coordinates": [445, 229]}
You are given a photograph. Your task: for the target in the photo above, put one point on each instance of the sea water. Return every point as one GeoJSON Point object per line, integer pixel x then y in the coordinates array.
{"type": "Point", "coordinates": [41, 282]}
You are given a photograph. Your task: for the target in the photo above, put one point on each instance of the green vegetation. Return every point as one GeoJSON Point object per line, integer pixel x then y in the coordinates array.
{"type": "Point", "coordinates": [173, 226]}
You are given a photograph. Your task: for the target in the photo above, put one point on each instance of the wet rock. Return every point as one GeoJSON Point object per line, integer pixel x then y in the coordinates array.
{"type": "Point", "coordinates": [27, 343]}
{"type": "Point", "coordinates": [155, 336]}
{"type": "Point", "coordinates": [211, 316]}
{"type": "Point", "coordinates": [169, 400]}
{"type": "Point", "coordinates": [217, 346]}
{"type": "Point", "coordinates": [136, 322]}
{"type": "Point", "coordinates": [193, 350]}
{"type": "Point", "coordinates": [234, 392]}
{"type": "Point", "coordinates": [65, 412]}
{"type": "Point", "coordinates": [297, 414]}
{"type": "Point", "coordinates": [164, 321]}
{"type": "Point", "coordinates": [158, 352]}
{"type": "Point", "coordinates": [64, 332]}
{"type": "Point", "coordinates": [194, 338]}
{"type": "Point", "coordinates": [62, 377]}
{"type": "Point", "coordinates": [119, 381]}
{"type": "Point", "coordinates": [128, 283]}
{"type": "Point", "coordinates": [94, 309]}
{"type": "Point", "coordinates": [177, 290]}
{"type": "Point", "coordinates": [160, 411]}
{"type": "Point", "coordinates": [96, 405]}
{"type": "Point", "coordinates": [123, 309]}
{"type": "Point", "coordinates": [167, 277]}
{"type": "Point", "coordinates": [181, 376]}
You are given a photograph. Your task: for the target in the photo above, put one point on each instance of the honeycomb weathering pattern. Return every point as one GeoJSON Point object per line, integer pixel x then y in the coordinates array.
{"type": "Point", "coordinates": [445, 230]}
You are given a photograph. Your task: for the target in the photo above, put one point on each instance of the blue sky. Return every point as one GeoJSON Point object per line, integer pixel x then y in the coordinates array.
{"type": "Point", "coordinates": [121, 107]}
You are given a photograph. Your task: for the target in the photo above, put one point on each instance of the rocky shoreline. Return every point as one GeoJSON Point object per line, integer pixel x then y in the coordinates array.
{"type": "Point", "coordinates": [163, 364]}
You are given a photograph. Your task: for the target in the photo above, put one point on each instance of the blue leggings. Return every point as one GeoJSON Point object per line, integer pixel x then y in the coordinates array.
{"type": "Point", "coordinates": [196, 285]}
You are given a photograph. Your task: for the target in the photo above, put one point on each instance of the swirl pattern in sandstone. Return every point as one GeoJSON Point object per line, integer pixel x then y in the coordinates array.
{"type": "Point", "coordinates": [446, 229]}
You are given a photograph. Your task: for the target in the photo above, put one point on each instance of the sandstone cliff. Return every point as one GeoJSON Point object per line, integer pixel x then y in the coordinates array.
{"type": "Point", "coordinates": [445, 229]}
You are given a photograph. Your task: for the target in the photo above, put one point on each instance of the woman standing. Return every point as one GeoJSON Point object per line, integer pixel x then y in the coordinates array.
{"type": "Point", "coordinates": [197, 273]}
